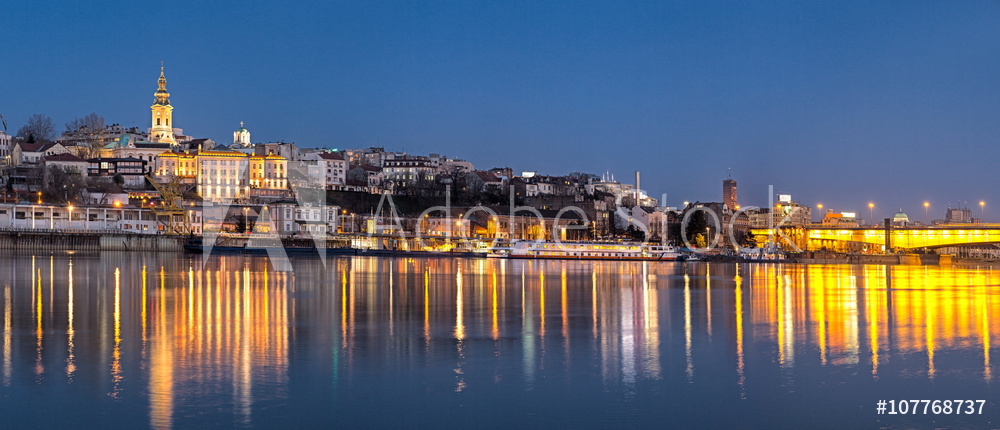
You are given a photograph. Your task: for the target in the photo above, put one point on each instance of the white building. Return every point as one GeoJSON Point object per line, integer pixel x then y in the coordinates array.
{"type": "Point", "coordinates": [241, 138]}
{"type": "Point", "coordinates": [6, 147]}
{"type": "Point", "coordinates": [334, 169]}
{"type": "Point", "coordinates": [291, 219]}
{"type": "Point", "coordinates": [222, 175]}
{"type": "Point", "coordinates": [120, 219]}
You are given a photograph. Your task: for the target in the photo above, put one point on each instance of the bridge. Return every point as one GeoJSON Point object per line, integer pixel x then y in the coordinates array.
{"type": "Point", "coordinates": [868, 239]}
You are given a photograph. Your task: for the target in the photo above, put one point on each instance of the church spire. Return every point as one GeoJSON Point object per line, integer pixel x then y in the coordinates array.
{"type": "Point", "coordinates": [161, 129]}
{"type": "Point", "coordinates": [162, 96]}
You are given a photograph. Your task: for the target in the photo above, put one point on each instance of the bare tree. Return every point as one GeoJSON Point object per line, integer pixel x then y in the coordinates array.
{"type": "Point", "coordinates": [39, 128]}
{"type": "Point", "coordinates": [92, 128]}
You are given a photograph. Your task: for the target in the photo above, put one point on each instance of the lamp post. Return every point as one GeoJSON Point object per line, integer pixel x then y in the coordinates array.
{"type": "Point", "coordinates": [70, 219]}
{"type": "Point", "coordinates": [819, 207]}
{"type": "Point", "coordinates": [871, 209]}
{"type": "Point", "coordinates": [926, 205]}
{"type": "Point", "coordinates": [982, 213]}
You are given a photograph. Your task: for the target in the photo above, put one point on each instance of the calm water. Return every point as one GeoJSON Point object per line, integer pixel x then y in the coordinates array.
{"type": "Point", "coordinates": [145, 340]}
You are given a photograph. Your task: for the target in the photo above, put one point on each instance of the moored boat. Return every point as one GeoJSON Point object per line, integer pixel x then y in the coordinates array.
{"type": "Point", "coordinates": [587, 251]}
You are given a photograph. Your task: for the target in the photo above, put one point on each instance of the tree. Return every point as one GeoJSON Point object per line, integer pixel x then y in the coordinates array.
{"type": "Point", "coordinates": [635, 233]}
{"type": "Point", "coordinates": [694, 231]}
{"type": "Point", "coordinates": [244, 224]}
{"type": "Point", "coordinates": [746, 239]}
{"type": "Point", "coordinates": [38, 129]}
{"type": "Point", "coordinates": [61, 185]}
{"type": "Point", "coordinates": [92, 128]}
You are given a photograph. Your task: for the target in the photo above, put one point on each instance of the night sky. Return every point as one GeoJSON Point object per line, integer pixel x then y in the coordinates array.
{"type": "Point", "coordinates": [837, 103]}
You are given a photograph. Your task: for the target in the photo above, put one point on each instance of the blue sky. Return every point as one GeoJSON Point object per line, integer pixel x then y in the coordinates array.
{"type": "Point", "coordinates": [834, 102]}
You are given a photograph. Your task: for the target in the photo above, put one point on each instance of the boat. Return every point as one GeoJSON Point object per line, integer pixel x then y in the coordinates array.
{"type": "Point", "coordinates": [197, 246]}
{"type": "Point", "coordinates": [769, 252]}
{"type": "Point", "coordinates": [586, 251]}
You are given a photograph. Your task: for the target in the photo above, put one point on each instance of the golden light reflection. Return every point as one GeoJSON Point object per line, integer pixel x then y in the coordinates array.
{"type": "Point", "coordinates": [39, 366]}
{"type": "Point", "coordinates": [7, 365]}
{"type": "Point", "coordinates": [230, 327]}
{"type": "Point", "coordinates": [984, 336]}
{"type": "Point", "coordinates": [921, 309]}
{"type": "Point", "coordinates": [142, 313]}
{"type": "Point", "coordinates": [650, 324]}
{"type": "Point", "coordinates": [740, 364]}
{"type": "Point", "coordinates": [70, 332]}
{"type": "Point", "coordinates": [689, 370]}
{"type": "Point", "coordinates": [929, 335]}
{"type": "Point", "coordinates": [459, 308]}
{"type": "Point", "coordinates": [541, 306]}
{"type": "Point", "coordinates": [708, 298]}
{"type": "Point", "coordinates": [427, 304]}
{"type": "Point", "coordinates": [116, 352]}
{"type": "Point", "coordinates": [343, 308]}
{"type": "Point", "coordinates": [495, 327]}
{"type": "Point", "coordinates": [564, 308]}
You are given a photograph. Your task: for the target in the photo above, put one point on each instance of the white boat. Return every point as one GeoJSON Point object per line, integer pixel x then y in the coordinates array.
{"type": "Point", "coordinates": [769, 252]}
{"type": "Point", "coordinates": [587, 251]}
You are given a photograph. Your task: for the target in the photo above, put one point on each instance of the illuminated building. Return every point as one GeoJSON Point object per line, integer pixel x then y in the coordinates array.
{"type": "Point", "coordinates": [845, 219]}
{"type": "Point", "coordinates": [729, 196]}
{"type": "Point", "coordinates": [268, 175]}
{"type": "Point", "coordinates": [785, 213]}
{"type": "Point", "coordinates": [222, 175]}
{"type": "Point", "coordinates": [162, 114]}
{"type": "Point", "coordinates": [241, 138]}
{"type": "Point", "coordinates": [900, 219]}
{"type": "Point", "coordinates": [957, 215]}
{"type": "Point", "coordinates": [176, 164]}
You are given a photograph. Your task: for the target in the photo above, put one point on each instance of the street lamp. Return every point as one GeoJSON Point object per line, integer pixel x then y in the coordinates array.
{"type": "Point", "coordinates": [39, 197]}
{"type": "Point", "coordinates": [982, 207]}
{"type": "Point", "coordinates": [926, 205]}
{"type": "Point", "coordinates": [70, 221]}
{"type": "Point", "coordinates": [819, 207]}
{"type": "Point", "coordinates": [871, 208]}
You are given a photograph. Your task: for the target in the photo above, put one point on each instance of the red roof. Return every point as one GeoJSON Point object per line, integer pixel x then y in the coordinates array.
{"type": "Point", "coordinates": [31, 147]}
{"type": "Point", "coordinates": [64, 157]}
{"type": "Point", "coordinates": [488, 176]}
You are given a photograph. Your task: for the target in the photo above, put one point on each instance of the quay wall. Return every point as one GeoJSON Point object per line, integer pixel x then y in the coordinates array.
{"type": "Point", "coordinates": [913, 259]}
{"type": "Point", "coordinates": [45, 241]}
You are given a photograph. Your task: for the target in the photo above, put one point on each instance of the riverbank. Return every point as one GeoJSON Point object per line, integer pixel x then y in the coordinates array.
{"type": "Point", "coordinates": [89, 241]}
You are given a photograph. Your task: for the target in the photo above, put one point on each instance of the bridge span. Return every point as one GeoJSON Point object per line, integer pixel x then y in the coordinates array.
{"type": "Point", "coordinates": [869, 239]}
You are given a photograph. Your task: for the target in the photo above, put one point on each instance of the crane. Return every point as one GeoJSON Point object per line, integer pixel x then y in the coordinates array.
{"type": "Point", "coordinates": [177, 221]}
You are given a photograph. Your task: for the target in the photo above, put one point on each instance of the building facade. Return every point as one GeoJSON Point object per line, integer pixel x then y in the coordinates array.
{"type": "Point", "coordinates": [729, 195]}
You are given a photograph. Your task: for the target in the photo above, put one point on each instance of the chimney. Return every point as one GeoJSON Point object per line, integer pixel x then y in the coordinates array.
{"type": "Point", "coordinates": [637, 188]}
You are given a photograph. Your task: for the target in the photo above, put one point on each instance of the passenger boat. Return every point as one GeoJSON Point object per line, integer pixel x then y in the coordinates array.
{"type": "Point", "coordinates": [586, 251]}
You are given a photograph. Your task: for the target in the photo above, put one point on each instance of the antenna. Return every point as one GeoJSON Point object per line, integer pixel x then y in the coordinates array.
{"type": "Point", "coordinates": [4, 124]}
{"type": "Point", "coordinates": [730, 173]}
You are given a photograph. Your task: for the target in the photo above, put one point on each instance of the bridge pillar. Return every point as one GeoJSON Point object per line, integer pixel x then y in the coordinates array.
{"type": "Point", "coordinates": [888, 235]}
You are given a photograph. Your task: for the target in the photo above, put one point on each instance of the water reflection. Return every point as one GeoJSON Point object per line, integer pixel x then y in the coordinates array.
{"type": "Point", "coordinates": [219, 340]}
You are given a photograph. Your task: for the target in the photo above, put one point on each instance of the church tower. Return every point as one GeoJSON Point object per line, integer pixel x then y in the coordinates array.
{"type": "Point", "coordinates": [162, 130]}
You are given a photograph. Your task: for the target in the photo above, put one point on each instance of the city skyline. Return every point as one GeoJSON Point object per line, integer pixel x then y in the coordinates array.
{"type": "Point", "coordinates": [838, 110]}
